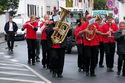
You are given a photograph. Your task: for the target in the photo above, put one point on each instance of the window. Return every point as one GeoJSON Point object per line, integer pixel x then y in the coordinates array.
{"type": "Point", "coordinates": [28, 11]}
{"type": "Point", "coordinates": [41, 11]}
{"type": "Point", "coordinates": [31, 9]}
{"type": "Point", "coordinates": [37, 11]}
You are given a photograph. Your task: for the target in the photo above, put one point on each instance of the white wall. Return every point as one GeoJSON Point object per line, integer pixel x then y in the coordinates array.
{"type": "Point", "coordinates": [22, 9]}
{"type": "Point", "coordinates": [4, 19]}
{"type": "Point", "coordinates": [51, 3]}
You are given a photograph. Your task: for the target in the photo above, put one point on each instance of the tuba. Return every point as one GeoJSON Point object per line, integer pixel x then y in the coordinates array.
{"type": "Point", "coordinates": [59, 36]}
{"type": "Point", "coordinates": [92, 32]}
{"type": "Point", "coordinates": [92, 29]}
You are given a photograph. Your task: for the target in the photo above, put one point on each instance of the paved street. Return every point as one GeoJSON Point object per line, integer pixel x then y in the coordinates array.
{"type": "Point", "coordinates": [70, 75]}
{"type": "Point", "coordinates": [11, 71]}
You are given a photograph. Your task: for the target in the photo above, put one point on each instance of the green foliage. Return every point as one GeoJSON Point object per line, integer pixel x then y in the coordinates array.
{"type": "Point", "coordinates": [100, 5]}
{"type": "Point", "coordinates": [8, 5]}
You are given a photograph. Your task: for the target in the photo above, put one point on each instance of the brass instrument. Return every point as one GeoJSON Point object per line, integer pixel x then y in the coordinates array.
{"type": "Point", "coordinates": [92, 32]}
{"type": "Point", "coordinates": [59, 36]}
{"type": "Point", "coordinates": [92, 29]}
{"type": "Point", "coordinates": [110, 29]}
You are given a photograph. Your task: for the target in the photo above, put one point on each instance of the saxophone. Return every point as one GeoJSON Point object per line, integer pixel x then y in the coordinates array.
{"type": "Point", "coordinates": [59, 36]}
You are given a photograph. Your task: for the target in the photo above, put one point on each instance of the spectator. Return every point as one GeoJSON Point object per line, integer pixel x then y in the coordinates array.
{"type": "Point", "coordinates": [10, 29]}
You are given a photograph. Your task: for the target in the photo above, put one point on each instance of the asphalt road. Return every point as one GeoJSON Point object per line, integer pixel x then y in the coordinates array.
{"type": "Point", "coordinates": [70, 74]}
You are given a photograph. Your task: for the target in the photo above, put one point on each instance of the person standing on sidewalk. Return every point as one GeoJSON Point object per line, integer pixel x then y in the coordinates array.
{"type": "Point", "coordinates": [10, 29]}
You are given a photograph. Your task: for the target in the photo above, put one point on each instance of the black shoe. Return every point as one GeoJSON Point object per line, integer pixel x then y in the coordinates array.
{"type": "Point", "coordinates": [33, 63]}
{"type": "Point", "coordinates": [123, 75]}
{"type": "Point", "coordinates": [47, 67]}
{"type": "Point", "coordinates": [92, 75]}
{"type": "Point", "coordinates": [50, 70]}
{"type": "Point", "coordinates": [29, 61]}
{"type": "Point", "coordinates": [79, 69]}
{"type": "Point", "coordinates": [110, 70]}
{"type": "Point", "coordinates": [118, 73]}
{"type": "Point", "coordinates": [53, 74]}
{"type": "Point", "coordinates": [101, 66]}
{"type": "Point", "coordinates": [87, 73]}
{"type": "Point", "coordinates": [11, 50]}
{"type": "Point", "coordinates": [44, 66]}
{"type": "Point", "coordinates": [60, 76]}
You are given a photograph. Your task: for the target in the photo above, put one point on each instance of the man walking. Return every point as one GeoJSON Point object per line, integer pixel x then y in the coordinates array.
{"type": "Point", "coordinates": [10, 29]}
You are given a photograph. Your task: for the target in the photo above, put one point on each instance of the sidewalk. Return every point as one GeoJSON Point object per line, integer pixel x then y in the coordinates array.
{"type": "Point", "coordinates": [2, 40]}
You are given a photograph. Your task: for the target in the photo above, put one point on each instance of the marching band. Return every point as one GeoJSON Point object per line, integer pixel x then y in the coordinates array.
{"type": "Point", "coordinates": [93, 37]}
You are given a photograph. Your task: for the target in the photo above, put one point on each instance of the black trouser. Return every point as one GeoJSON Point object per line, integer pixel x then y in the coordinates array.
{"type": "Point", "coordinates": [101, 50]}
{"type": "Point", "coordinates": [10, 39]}
{"type": "Point", "coordinates": [81, 61]}
{"type": "Point", "coordinates": [91, 54]}
{"type": "Point", "coordinates": [45, 53]}
{"type": "Point", "coordinates": [109, 51]}
{"type": "Point", "coordinates": [31, 49]}
{"type": "Point", "coordinates": [57, 60]}
{"type": "Point", "coordinates": [38, 41]}
{"type": "Point", "coordinates": [121, 63]}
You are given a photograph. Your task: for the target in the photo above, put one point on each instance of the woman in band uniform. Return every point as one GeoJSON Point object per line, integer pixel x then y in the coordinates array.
{"type": "Point", "coordinates": [31, 28]}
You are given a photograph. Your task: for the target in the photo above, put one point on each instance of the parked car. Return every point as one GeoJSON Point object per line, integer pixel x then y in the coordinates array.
{"type": "Point", "coordinates": [20, 35]}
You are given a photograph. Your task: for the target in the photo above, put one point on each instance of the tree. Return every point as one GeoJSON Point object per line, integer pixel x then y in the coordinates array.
{"type": "Point", "coordinates": [8, 5]}
{"type": "Point", "coordinates": [100, 5]}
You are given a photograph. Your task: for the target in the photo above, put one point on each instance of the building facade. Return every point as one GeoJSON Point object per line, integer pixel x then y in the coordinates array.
{"type": "Point", "coordinates": [77, 5]}
{"type": "Point", "coordinates": [36, 7]}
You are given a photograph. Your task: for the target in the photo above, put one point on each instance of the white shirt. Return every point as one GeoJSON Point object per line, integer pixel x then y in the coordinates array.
{"type": "Point", "coordinates": [56, 18]}
{"type": "Point", "coordinates": [71, 20]}
{"type": "Point", "coordinates": [39, 31]}
{"type": "Point", "coordinates": [10, 26]}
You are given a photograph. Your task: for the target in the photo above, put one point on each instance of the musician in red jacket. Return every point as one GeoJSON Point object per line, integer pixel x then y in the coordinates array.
{"type": "Point", "coordinates": [90, 30]}
{"type": "Point", "coordinates": [101, 43]}
{"type": "Point", "coordinates": [45, 52]}
{"type": "Point", "coordinates": [31, 28]}
{"type": "Point", "coordinates": [109, 42]}
{"type": "Point", "coordinates": [80, 46]}
{"type": "Point", "coordinates": [91, 46]}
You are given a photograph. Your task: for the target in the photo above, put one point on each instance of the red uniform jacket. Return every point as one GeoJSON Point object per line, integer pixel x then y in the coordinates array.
{"type": "Point", "coordinates": [100, 36]}
{"type": "Point", "coordinates": [30, 32]}
{"type": "Point", "coordinates": [93, 42]}
{"type": "Point", "coordinates": [105, 28]}
{"type": "Point", "coordinates": [79, 38]}
{"type": "Point", "coordinates": [55, 45]}
{"type": "Point", "coordinates": [43, 33]}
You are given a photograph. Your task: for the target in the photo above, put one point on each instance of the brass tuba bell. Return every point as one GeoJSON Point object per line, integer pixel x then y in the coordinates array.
{"type": "Point", "coordinates": [59, 36]}
{"type": "Point", "coordinates": [92, 29]}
